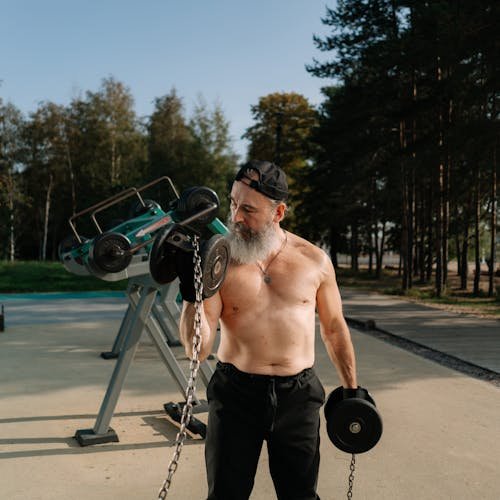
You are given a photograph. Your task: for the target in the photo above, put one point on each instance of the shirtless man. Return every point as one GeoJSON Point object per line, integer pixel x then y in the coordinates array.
{"type": "Point", "coordinates": [264, 386]}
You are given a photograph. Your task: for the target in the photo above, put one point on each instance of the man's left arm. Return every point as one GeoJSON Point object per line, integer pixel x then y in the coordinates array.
{"type": "Point", "coordinates": [334, 330]}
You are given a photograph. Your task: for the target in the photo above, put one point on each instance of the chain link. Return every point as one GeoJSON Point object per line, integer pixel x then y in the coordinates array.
{"type": "Point", "coordinates": [187, 410]}
{"type": "Point", "coordinates": [352, 468]}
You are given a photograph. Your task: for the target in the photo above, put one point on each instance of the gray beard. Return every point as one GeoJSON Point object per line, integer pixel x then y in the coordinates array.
{"type": "Point", "coordinates": [249, 246]}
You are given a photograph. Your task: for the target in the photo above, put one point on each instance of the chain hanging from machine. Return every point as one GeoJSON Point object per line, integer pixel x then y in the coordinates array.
{"type": "Point", "coordinates": [352, 469]}
{"type": "Point", "coordinates": [194, 366]}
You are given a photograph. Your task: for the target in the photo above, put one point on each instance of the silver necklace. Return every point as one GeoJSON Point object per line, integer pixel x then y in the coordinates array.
{"type": "Point", "coordinates": [267, 278]}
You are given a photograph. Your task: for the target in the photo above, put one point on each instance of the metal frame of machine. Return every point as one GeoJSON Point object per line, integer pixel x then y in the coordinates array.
{"type": "Point", "coordinates": [152, 307]}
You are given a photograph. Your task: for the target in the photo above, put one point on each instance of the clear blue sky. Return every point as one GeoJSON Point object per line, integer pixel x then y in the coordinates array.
{"type": "Point", "coordinates": [233, 51]}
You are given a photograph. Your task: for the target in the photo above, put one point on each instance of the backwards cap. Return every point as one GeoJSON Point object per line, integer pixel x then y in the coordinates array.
{"type": "Point", "coordinates": [271, 179]}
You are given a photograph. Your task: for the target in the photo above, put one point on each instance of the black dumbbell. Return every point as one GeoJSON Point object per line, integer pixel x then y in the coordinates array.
{"type": "Point", "coordinates": [353, 422]}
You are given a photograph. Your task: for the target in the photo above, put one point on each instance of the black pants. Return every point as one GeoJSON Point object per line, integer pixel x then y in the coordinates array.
{"type": "Point", "coordinates": [245, 410]}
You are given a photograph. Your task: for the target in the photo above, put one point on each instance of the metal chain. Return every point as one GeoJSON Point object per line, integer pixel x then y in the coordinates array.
{"type": "Point", "coordinates": [352, 468]}
{"type": "Point", "coordinates": [187, 411]}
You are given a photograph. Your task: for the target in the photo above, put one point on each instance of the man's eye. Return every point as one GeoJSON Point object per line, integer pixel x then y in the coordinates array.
{"type": "Point", "coordinates": [245, 209]}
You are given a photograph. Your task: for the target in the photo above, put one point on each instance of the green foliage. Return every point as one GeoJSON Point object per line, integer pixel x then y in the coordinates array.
{"type": "Point", "coordinates": [216, 160]}
{"type": "Point", "coordinates": [284, 123]}
{"type": "Point", "coordinates": [170, 140]}
{"type": "Point", "coordinates": [108, 145]}
{"type": "Point", "coordinates": [192, 152]}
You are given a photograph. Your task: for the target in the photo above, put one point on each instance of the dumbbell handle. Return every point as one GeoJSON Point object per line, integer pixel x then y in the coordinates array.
{"type": "Point", "coordinates": [358, 392]}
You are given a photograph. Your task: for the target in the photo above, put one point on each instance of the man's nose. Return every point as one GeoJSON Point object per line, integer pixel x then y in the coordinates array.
{"type": "Point", "coordinates": [236, 215]}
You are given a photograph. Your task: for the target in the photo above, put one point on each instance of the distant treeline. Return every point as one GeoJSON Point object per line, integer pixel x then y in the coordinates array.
{"type": "Point", "coordinates": [400, 155]}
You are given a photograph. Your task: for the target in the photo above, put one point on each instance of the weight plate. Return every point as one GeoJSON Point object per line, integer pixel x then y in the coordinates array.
{"type": "Point", "coordinates": [110, 253]}
{"type": "Point", "coordinates": [215, 256]}
{"type": "Point", "coordinates": [338, 395]}
{"type": "Point", "coordinates": [194, 200]}
{"type": "Point", "coordinates": [162, 257]}
{"type": "Point", "coordinates": [354, 424]}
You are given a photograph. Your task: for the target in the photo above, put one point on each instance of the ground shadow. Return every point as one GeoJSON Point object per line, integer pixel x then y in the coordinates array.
{"type": "Point", "coordinates": [160, 426]}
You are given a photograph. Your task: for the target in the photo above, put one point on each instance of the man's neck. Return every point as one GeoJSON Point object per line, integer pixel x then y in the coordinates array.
{"type": "Point", "coordinates": [278, 245]}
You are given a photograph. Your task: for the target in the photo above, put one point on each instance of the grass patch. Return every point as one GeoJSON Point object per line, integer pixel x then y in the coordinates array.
{"type": "Point", "coordinates": [33, 276]}
{"type": "Point", "coordinates": [388, 282]}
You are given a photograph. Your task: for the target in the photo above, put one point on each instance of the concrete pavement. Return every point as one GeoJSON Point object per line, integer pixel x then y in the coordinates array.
{"type": "Point", "coordinates": [464, 336]}
{"type": "Point", "coordinates": [441, 428]}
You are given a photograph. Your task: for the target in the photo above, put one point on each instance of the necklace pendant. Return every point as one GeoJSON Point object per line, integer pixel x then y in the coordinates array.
{"type": "Point", "coordinates": [267, 279]}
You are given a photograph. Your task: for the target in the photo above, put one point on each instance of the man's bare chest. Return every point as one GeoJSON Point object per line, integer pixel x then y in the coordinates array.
{"type": "Point", "coordinates": [285, 285]}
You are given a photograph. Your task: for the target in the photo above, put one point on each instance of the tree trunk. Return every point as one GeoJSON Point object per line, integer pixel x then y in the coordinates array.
{"type": "Point", "coordinates": [411, 225]}
{"type": "Point", "coordinates": [12, 238]}
{"type": "Point", "coordinates": [373, 228]}
{"type": "Point", "coordinates": [493, 224]}
{"type": "Point", "coordinates": [446, 220]}
{"type": "Point", "coordinates": [113, 162]}
{"type": "Point", "coordinates": [354, 247]}
{"type": "Point", "coordinates": [420, 229]}
{"type": "Point", "coordinates": [370, 249]}
{"type": "Point", "coordinates": [72, 181]}
{"type": "Point", "coordinates": [464, 267]}
{"type": "Point", "coordinates": [439, 235]}
{"type": "Point", "coordinates": [406, 213]}
{"type": "Point", "coordinates": [458, 249]}
{"type": "Point", "coordinates": [430, 233]}
{"type": "Point", "coordinates": [477, 215]}
{"type": "Point", "coordinates": [415, 192]}
{"type": "Point", "coordinates": [447, 174]}
{"type": "Point", "coordinates": [380, 253]}
{"type": "Point", "coordinates": [464, 261]}
{"type": "Point", "coordinates": [46, 217]}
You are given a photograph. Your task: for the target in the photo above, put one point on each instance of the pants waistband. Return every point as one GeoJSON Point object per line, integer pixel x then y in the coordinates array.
{"type": "Point", "coordinates": [230, 369]}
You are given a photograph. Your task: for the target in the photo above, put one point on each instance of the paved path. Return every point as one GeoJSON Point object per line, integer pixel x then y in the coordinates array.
{"type": "Point", "coordinates": [38, 308]}
{"type": "Point", "coordinates": [463, 336]}
{"type": "Point", "coordinates": [441, 428]}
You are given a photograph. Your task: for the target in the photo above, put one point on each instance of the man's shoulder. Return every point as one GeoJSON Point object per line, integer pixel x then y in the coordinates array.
{"type": "Point", "coordinates": [308, 249]}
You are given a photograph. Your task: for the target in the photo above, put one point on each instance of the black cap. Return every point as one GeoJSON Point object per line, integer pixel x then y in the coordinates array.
{"type": "Point", "coordinates": [272, 179]}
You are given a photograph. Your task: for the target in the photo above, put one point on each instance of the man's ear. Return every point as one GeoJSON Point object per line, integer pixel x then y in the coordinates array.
{"type": "Point", "coordinates": [279, 213]}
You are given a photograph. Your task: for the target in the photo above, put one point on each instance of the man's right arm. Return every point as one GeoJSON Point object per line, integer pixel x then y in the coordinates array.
{"type": "Point", "coordinates": [210, 314]}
